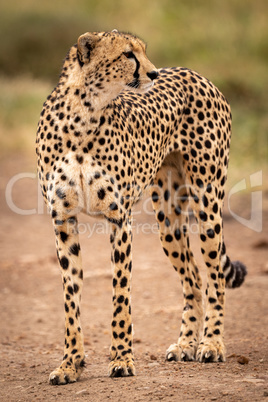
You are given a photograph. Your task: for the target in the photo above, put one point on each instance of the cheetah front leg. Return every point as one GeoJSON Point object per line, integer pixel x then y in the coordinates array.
{"type": "Point", "coordinates": [122, 362]}
{"type": "Point", "coordinates": [170, 202]}
{"type": "Point", "coordinates": [69, 255]}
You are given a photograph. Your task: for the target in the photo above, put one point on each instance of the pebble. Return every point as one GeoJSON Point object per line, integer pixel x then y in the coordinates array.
{"type": "Point", "coordinates": [82, 392]}
{"type": "Point", "coordinates": [243, 360]}
{"type": "Point", "coordinates": [153, 357]}
{"type": "Point", "coordinates": [153, 364]}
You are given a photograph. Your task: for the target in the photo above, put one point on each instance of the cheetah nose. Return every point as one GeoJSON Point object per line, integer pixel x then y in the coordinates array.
{"type": "Point", "coordinates": [153, 74]}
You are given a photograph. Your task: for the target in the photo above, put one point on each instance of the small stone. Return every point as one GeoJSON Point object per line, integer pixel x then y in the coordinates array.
{"type": "Point", "coordinates": [153, 364]}
{"type": "Point", "coordinates": [262, 243]}
{"type": "Point", "coordinates": [153, 357]}
{"type": "Point", "coordinates": [82, 392]}
{"type": "Point", "coordinates": [243, 360]}
{"type": "Point", "coordinates": [265, 393]}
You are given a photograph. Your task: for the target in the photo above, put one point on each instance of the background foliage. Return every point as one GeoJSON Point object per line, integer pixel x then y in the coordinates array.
{"type": "Point", "coordinates": [226, 41]}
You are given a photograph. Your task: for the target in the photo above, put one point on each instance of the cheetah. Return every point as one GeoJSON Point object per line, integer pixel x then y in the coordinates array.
{"type": "Point", "coordinates": [113, 127]}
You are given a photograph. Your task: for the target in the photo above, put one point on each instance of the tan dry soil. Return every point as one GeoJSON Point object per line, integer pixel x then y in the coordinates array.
{"type": "Point", "coordinates": [32, 320]}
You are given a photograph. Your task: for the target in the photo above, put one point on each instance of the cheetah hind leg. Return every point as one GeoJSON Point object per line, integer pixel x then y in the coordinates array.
{"type": "Point", "coordinates": [186, 348]}
{"type": "Point", "coordinates": [170, 202]}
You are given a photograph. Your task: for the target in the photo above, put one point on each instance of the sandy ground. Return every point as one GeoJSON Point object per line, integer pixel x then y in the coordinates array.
{"type": "Point", "coordinates": [32, 319]}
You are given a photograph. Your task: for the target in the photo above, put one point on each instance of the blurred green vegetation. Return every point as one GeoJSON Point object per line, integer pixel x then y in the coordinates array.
{"type": "Point", "coordinates": [226, 41]}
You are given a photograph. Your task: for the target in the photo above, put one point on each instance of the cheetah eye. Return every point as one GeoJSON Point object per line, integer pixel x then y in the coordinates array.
{"type": "Point", "coordinates": [129, 55]}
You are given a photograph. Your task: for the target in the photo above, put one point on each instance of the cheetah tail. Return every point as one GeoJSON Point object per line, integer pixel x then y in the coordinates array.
{"type": "Point", "coordinates": [234, 271]}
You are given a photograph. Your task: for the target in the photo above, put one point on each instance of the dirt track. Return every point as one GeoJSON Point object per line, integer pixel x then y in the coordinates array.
{"type": "Point", "coordinates": [31, 314]}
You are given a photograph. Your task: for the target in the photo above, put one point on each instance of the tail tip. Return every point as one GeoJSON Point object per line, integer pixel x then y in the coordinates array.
{"type": "Point", "coordinates": [240, 273]}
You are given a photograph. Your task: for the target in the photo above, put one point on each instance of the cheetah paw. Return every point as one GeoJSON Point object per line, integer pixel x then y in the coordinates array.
{"type": "Point", "coordinates": [64, 375]}
{"type": "Point", "coordinates": [210, 352]}
{"type": "Point", "coordinates": [121, 369]}
{"type": "Point", "coordinates": [180, 352]}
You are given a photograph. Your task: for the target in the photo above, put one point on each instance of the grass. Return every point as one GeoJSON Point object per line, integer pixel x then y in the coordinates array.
{"type": "Point", "coordinates": [21, 102]}
{"type": "Point", "coordinates": [224, 41]}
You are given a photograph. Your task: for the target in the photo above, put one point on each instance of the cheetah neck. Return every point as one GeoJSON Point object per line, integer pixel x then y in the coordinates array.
{"type": "Point", "coordinates": [100, 99]}
{"type": "Point", "coordinates": [91, 94]}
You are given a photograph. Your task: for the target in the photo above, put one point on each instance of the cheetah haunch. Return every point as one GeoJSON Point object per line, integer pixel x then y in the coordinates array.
{"type": "Point", "coordinates": [113, 126]}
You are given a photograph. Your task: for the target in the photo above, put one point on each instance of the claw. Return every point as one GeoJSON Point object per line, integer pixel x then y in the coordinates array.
{"type": "Point", "coordinates": [130, 371]}
{"type": "Point", "coordinates": [208, 357]}
{"type": "Point", "coordinates": [171, 357]}
{"type": "Point", "coordinates": [67, 379]}
{"type": "Point", "coordinates": [122, 371]}
{"type": "Point", "coordinates": [54, 380]}
{"type": "Point", "coordinates": [117, 372]}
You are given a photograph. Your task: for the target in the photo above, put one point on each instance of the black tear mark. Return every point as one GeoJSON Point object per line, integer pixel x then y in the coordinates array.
{"type": "Point", "coordinates": [136, 73]}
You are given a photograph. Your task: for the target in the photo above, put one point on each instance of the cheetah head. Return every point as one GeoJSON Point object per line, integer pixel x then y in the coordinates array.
{"type": "Point", "coordinates": [115, 60]}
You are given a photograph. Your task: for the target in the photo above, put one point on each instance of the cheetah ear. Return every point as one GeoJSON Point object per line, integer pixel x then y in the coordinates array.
{"type": "Point", "coordinates": [85, 44]}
